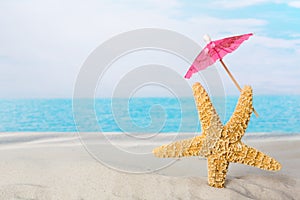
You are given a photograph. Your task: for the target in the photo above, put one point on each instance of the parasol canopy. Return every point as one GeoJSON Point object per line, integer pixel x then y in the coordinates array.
{"type": "Point", "coordinates": [216, 50]}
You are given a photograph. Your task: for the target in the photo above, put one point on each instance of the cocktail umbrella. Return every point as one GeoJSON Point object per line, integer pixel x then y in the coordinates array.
{"type": "Point", "coordinates": [216, 50]}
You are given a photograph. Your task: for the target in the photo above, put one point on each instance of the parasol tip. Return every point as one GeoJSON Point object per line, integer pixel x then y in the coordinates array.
{"type": "Point", "coordinates": [207, 38]}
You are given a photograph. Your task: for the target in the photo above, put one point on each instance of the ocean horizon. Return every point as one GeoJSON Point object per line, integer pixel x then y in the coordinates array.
{"type": "Point", "coordinates": [277, 115]}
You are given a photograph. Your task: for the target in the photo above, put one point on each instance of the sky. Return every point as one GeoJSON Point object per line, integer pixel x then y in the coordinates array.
{"type": "Point", "coordinates": [45, 43]}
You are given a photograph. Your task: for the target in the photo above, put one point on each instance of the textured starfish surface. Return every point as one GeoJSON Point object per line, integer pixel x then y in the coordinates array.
{"type": "Point", "coordinates": [220, 144]}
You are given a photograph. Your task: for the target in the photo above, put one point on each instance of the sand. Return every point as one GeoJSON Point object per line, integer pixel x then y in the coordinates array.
{"type": "Point", "coordinates": [59, 166]}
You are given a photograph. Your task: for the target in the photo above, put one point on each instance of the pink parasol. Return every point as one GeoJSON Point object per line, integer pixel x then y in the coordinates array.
{"type": "Point", "coordinates": [216, 50]}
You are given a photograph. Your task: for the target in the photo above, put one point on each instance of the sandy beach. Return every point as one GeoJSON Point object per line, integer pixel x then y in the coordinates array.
{"type": "Point", "coordinates": [58, 166]}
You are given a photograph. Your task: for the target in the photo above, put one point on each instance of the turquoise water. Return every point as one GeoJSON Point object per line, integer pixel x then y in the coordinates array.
{"type": "Point", "coordinates": [278, 114]}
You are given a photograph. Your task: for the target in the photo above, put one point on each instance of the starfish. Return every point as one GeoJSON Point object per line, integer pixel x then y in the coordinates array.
{"type": "Point", "coordinates": [220, 144]}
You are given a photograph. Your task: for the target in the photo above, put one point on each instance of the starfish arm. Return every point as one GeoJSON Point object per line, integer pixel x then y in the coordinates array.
{"type": "Point", "coordinates": [217, 170]}
{"type": "Point", "coordinates": [237, 125]}
{"type": "Point", "coordinates": [251, 156]}
{"type": "Point", "coordinates": [210, 122]}
{"type": "Point", "coordinates": [187, 147]}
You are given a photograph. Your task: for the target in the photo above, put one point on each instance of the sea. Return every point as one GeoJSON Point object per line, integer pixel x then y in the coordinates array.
{"type": "Point", "coordinates": [277, 115]}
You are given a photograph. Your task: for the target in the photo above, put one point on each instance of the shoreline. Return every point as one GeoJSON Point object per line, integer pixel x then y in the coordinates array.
{"type": "Point", "coordinates": [247, 134]}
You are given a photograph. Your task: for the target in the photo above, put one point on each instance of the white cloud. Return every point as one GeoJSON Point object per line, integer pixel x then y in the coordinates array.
{"type": "Point", "coordinates": [44, 43]}
{"type": "Point", "coordinates": [237, 3]}
{"type": "Point", "coordinates": [218, 27]}
{"type": "Point", "coordinates": [295, 4]}
{"type": "Point", "coordinates": [277, 42]}
{"type": "Point", "coordinates": [234, 4]}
